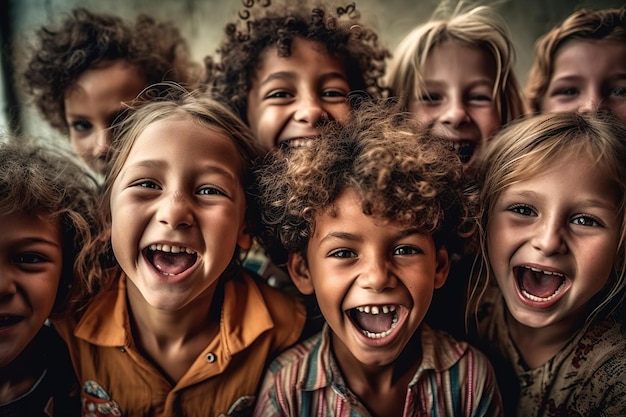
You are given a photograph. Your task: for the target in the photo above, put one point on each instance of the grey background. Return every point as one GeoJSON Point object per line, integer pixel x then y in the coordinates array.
{"type": "Point", "coordinates": [202, 22]}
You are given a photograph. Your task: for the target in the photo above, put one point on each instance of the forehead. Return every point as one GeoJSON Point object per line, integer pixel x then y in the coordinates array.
{"type": "Point", "coordinates": [591, 55]}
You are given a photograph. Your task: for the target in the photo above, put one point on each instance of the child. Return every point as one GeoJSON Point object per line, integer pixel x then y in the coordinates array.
{"type": "Point", "coordinates": [579, 65]}
{"type": "Point", "coordinates": [179, 328]}
{"type": "Point", "coordinates": [361, 213]}
{"type": "Point", "coordinates": [454, 73]}
{"type": "Point", "coordinates": [48, 207]}
{"type": "Point", "coordinates": [81, 71]}
{"type": "Point", "coordinates": [553, 239]}
{"type": "Point", "coordinates": [289, 68]}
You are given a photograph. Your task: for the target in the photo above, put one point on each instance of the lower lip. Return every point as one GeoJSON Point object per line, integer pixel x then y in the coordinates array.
{"type": "Point", "coordinates": [4, 330]}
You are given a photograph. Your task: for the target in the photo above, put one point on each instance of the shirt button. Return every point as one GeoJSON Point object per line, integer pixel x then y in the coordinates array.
{"type": "Point", "coordinates": [211, 358]}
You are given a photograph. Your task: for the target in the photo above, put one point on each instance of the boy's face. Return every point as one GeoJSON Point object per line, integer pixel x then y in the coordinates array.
{"type": "Point", "coordinates": [552, 249]}
{"type": "Point", "coordinates": [373, 280]}
{"type": "Point", "coordinates": [459, 103]}
{"type": "Point", "coordinates": [93, 102]}
{"type": "Point", "coordinates": [177, 210]}
{"type": "Point", "coordinates": [31, 259]}
{"type": "Point", "coordinates": [588, 76]}
{"type": "Point", "coordinates": [292, 96]}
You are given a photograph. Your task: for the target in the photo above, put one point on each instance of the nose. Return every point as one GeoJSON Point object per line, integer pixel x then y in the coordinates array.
{"type": "Point", "coordinates": [376, 276]}
{"type": "Point", "coordinates": [175, 211]}
{"type": "Point", "coordinates": [549, 239]}
{"type": "Point", "coordinates": [310, 110]}
{"type": "Point", "coordinates": [7, 285]}
{"type": "Point", "coordinates": [102, 143]}
{"type": "Point", "coordinates": [454, 113]}
{"type": "Point", "coordinates": [590, 102]}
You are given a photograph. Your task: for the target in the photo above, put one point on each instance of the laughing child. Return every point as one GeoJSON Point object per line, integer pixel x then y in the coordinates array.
{"type": "Point", "coordinates": [361, 214]}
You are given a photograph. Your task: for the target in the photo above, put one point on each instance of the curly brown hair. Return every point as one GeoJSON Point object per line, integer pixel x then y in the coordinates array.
{"type": "Point", "coordinates": [399, 171]}
{"type": "Point", "coordinates": [63, 51]}
{"type": "Point", "coordinates": [339, 29]}
{"type": "Point", "coordinates": [41, 180]}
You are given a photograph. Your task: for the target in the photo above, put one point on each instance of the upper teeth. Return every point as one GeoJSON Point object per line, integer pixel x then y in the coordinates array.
{"type": "Point", "coordinates": [171, 248]}
{"type": "Point", "coordinates": [558, 274]}
{"type": "Point", "coordinates": [376, 309]}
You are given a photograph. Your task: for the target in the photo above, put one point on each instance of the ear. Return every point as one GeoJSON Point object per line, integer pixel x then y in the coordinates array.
{"type": "Point", "coordinates": [244, 240]}
{"type": "Point", "coordinates": [299, 273]}
{"type": "Point", "coordinates": [443, 266]}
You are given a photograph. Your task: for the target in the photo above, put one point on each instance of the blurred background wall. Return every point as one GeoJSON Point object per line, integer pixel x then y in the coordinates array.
{"type": "Point", "coordinates": [202, 22]}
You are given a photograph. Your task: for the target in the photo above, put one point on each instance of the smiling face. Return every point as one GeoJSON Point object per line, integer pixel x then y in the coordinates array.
{"type": "Point", "coordinates": [588, 76]}
{"type": "Point", "coordinates": [177, 209]}
{"type": "Point", "coordinates": [291, 96]}
{"type": "Point", "coordinates": [552, 248]}
{"type": "Point", "coordinates": [373, 280]}
{"type": "Point", "coordinates": [458, 100]}
{"type": "Point", "coordinates": [93, 102]}
{"type": "Point", "coordinates": [31, 259]}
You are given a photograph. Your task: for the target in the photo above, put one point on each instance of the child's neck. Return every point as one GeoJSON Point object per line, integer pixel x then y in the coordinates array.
{"type": "Point", "coordinates": [538, 345]}
{"type": "Point", "coordinates": [172, 341]}
{"type": "Point", "coordinates": [382, 389]}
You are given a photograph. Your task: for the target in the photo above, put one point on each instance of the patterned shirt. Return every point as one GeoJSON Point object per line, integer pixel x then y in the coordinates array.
{"type": "Point", "coordinates": [453, 379]}
{"type": "Point", "coordinates": [586, 378]}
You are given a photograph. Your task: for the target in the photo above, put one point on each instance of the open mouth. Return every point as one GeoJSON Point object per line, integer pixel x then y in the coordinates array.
{"type": "Point", "coordinates": [297, 142]}
{"type": "Point", "coordinates": [465, 149]}
{"type": "Point", "coordinates": [9, 320]}
{"type": "Point", "coordinates": [375, 322]}
{"type": "Point", "coordinates": [539, 285]}
{"type": "Point", "coordinates": [170, 260]}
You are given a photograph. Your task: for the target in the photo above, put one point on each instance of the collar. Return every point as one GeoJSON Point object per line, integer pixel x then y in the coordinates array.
{"type": "Point", "coordinates": [244, 316]}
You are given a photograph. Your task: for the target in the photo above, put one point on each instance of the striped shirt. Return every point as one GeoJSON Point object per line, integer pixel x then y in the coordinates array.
{"type": "Point", "coordinates": [454, 379]}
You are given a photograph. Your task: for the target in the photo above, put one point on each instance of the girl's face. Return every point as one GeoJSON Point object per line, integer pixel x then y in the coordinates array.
{"type": "Point", "coordinates": [373, 280]}
{"type": "Point", "coordinates": [93, 102]}
{"type": "Point", "coordinates": [31, 259]}
{"type": "Point", "coordinates": [177, 211]}
{"type": "Point", "coordinates": [552, 241]}
{"type": "Point", "coordinates": [458, 103]}
{"type": "Point", "coordinates": [588, 76]}
{"type": "Point", "coordinates": [292, 96]}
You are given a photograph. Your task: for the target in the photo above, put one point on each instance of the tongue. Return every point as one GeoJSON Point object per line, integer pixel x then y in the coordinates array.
{"type": "Point", "coordinates": [373, 323]}
{"type": "Point", "coordinates": [172, 263]}
{"type": "Point", "coordinates": [539, 284]}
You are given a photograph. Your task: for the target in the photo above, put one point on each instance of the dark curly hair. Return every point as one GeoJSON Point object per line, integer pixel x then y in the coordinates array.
{"type": "Point", "coordinates": [399, 171]}
{"type": "Point", "coordinates": [62, 52]}
{"type": "Point", "coordinates": [47, 181]}
{"type": "Point", "coordinates": [339, 30]}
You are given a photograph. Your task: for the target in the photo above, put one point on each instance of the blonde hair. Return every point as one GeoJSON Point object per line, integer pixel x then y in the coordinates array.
{"type": "Point", "coordinates": [525, 148]}
{"type": "Point", "coordinates": [479, 27]}
{"type": "Point", "coordinates": [171, 101]}
{"type": "Point", "coordinates": [583, 24]}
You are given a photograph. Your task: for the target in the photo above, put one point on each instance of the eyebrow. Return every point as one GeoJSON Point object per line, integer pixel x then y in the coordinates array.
{"type": "Point", "coordinates": [37, 239]}
{"type": "Point", "coordinates": [358, 238]}
{"type": "Point", "coordinates": [161, 165]}
{"type": "Point", "coordinates": [290, 75]}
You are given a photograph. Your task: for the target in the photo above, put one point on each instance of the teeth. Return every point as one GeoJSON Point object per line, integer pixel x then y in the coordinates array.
{"type": "Point", "coordinates": [171, 249]}
{"type": "Point", "coordinates": [376, 309]}
{"type": "Point", "coordinates": [545, 272]}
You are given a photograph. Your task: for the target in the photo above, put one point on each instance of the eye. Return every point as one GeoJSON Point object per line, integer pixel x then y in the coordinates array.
{"type": "Point", "coordinates": [586, 220]}
{"type": "Point", "coordinates": [407, 250]}
{"type": "Point", "coordinates": [522, 210]}
{"type": "Point", "coordinates": [334, 94]}
{"type": "Point", "coordinates": [342, 253]}
{"type": "Point", "coordinates": [568, 91]}
{"type": "Point", "coordinates": [146, 184]}
{"type": "Point", "coordinates": [481, 98]}
{"type": "Point", "coordinates": [81, 125]}
{"type": "Point", "coordinates": [278, 94]}
{"type": "Point", "coordinates": [210, 191]}
{"type": "Point", "coordinates": [29, 258]}
{"type": "Point", "coordinates": [430, 99]}
{"type": "Point", "coordinates": [618, 92]}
